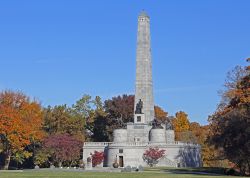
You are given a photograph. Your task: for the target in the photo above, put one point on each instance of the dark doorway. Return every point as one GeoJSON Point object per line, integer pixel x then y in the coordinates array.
{"type": "Point", "coordinates": [121, 161]}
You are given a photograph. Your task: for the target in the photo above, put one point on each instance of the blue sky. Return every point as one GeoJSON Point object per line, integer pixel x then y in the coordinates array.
{"type": "Point", "coordinates": [58, 50]}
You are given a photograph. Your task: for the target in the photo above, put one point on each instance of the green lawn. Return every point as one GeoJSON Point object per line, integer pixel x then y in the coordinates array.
{"type": "Point", "coordinates": [149, 173]}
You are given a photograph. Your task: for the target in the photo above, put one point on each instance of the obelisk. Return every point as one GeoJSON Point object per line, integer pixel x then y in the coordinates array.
{"type": "Point", "coordinates": [144, 84]}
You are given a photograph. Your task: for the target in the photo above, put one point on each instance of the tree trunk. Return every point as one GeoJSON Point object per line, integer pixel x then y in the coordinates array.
{"type": "Point", "coordinates": [249, 169]}
{"type": "Point", "coordinates": [7, 160]}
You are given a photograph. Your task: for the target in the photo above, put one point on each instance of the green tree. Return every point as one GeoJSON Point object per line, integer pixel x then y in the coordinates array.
{"type": "Point", "coordinates": [58, 120]}
{"type": "Point", "coordinates": [61, 119]}
{"type": "Point", "coordinates": [100, 122]}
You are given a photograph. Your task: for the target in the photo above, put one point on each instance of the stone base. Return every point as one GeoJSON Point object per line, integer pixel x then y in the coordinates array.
{"type": "Point", "coordinates": [178, 154]}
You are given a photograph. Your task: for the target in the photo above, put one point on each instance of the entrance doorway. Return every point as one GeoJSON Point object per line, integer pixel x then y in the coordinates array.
{"type": "Point", "coordinates": [120, 161]}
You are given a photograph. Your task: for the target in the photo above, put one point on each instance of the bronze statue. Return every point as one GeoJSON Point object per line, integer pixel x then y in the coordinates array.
{"type": "Point", "coordinates": [156, 124]}
{"type": "Point", "coordinates": [139, 107]}
{"type": "Point", "coordinates": [169, 126]}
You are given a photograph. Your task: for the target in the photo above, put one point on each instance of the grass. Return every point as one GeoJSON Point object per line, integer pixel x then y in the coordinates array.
{"type": "Point", "coordinates": [148, 173]}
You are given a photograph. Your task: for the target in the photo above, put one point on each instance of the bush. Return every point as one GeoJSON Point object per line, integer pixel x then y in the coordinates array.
{"type": "Point", "coordinates": [153, 155]}
{"type": "Point", "coordinates": [229, 171]}
{"type": "Point", "coordinates": [97, 158]}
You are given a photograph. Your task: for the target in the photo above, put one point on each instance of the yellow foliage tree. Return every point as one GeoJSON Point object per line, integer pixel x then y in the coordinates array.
{"type": "Point", "coordinates": [180, 123]}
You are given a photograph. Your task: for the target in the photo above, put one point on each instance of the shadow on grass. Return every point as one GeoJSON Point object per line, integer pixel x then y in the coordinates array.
{"type": "Point", "coordinates": [211, 171]}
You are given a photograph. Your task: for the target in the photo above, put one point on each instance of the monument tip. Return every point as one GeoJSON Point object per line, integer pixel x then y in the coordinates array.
{"type": "Point", "coordinates": [143, 13]}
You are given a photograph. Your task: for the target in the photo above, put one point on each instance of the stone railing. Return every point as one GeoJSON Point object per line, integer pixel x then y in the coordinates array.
{"type": "Point", "coordinates": [103, 144]}
{"type": "Point", "coordinates": [183, 143]}
{"type": "Point", "coordinates": [129, 144]}
{"type": "Point", "coordinates": [96, 143]}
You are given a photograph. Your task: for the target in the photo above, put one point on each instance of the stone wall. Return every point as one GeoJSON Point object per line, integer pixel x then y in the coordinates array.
{"type": "Point", "coordinates": [157, 136]}
{"type": "Point", "coordinates": [138, 132]}
{"type": "Point", "coordinates": [178, 154]}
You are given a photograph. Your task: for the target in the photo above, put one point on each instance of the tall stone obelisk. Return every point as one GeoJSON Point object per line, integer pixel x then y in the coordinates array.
{"type": "Point", "coordinates": [144, 84]}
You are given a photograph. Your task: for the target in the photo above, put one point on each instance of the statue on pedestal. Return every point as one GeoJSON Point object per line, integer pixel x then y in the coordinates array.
{"type": "Point", "coordinates": [139, 107]}
{"type": "Point", "coordinates": [156, 124]}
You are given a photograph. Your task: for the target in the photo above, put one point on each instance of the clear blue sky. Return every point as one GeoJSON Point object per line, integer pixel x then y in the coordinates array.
{"type": "Point", "coordinates": [58, 50]}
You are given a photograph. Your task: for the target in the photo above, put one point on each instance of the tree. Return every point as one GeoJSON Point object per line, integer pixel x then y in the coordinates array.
{"type": "Point", "coordinates": [83, 106]}
{"type": "Point", "coordinates": [181, 124]}
{"type": "Point", "coordinates": [209, 153]}
{"type": "Point", "coordinates": [153, 155]}
{"type": "Point", "coordinates": [121, 107]}
{"type": "Point", "coordinates": [94, 116]}
{"type": "Point", "coordinates": [200, 132]}
{"type": "Point", "coordinates": [20, 125]}
{"type": "Point", "coordinates": [62, 119]}
{"type": "Point", "coordinates": [41, 157]}
{"type": "Point", "coordinates": [230, 86]}
{"type": "Point", "coordinates": [55, 119]}
{"type": "Point", "coordinates": [63, 148]}
{"type": "Point", "coordinates": [120, 110]}
{"type": "Point", "coordinates": [160, 114]}
{"type": "Point", "coordinates": [100, 132]}
{"type": "Point", "coordinates": [97, 158]}
{"type": "Point", "coordinates": [229, 125]}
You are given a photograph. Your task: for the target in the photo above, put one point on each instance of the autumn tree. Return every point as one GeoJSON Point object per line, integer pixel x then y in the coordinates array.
{"type": "Point", "coordinates": [121, 107]}
{"type": "Point", "coordinates": [181, 122]}
{"type": "Point", "coordinates": [208, 152]}
{"type": "Point", "coordinates": [120, 110]}
{"type": "Point", "coordinates": [230, 128]}
{"type": "Point", "coordinates": [20, 124]}
{"type": "Point", "coordinates": [181, 125]}
{"type": "Point", "coordinates": [160, 114]}
{"type": "Point", "coordinates": [63, 148]}
{"type": "Point", "coordinates": [230, 85]}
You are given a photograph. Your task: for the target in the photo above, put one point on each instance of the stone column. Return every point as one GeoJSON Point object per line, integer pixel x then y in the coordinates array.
{"type": "Point", "coordinates": [144, 85]}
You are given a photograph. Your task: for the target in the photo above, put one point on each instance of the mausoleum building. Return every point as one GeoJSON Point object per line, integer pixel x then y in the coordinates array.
{"type": "Point", "coordinates": [130, 143]}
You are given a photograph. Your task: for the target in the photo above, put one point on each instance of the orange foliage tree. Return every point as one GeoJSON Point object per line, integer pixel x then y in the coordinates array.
{"type": "Point", "coordinates": [181, 124]}
{"type": "Point", "coordinates": [20, 124]}
{"type": "Point", "coordinates": [160, 114]}
{"type": "Point", "coordinates": [229, 125]}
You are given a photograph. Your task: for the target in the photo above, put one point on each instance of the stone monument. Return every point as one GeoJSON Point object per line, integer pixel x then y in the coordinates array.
{"type": "Point", "coordinates": [130, 143]}
{"type": "Point", "coordinates": [143, 83]}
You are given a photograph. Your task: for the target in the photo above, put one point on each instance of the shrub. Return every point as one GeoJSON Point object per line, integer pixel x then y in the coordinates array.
{"type": "Point", "coordinates": [153, 155]}
{"type": "Point", "coordinates": [97, 158]}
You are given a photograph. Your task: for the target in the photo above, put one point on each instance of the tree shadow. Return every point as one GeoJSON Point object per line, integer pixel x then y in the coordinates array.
{"type": "Point", "coordinates": [202, 171]}
{"type": "Point", "coordinates": [189, 156]}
